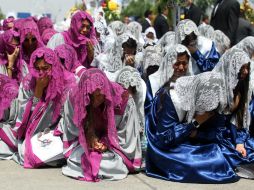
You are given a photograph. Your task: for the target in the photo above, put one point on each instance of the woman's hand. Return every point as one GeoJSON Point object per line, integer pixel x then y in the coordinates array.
{"type": "Point", "coordinates": [130, 60]}
{"type": "Point", "coordinates": [12, 57]}
{"type": "Point", "coordinates": [240, 148]}
{"type": "Point", "coordinates": [204, 117]}
{"type": "Point", "coordinates": [41, 84]}
{"type": "Point", "coordinates": [99, 146]}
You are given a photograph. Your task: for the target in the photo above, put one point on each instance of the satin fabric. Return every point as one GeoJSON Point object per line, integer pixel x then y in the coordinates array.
{"type": "Point", "coordinates": [172, 155]}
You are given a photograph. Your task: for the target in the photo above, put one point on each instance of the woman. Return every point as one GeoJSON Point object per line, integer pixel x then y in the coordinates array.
{"type": "Point", "coordinates": [30, 39]}
{"type": "Point", "coordinates": [90, 138]}
{"type": "Point", "coordinates": [130, 125]}
{"type": "Point", "coordinates": [166, 41]}
{"type": "Point", "coordinates": [176, 63]}
{"type": "Point", "coordinates": [203, 52]}
{"type": "Point", "coordinates": [40, 98]}
{"type": "Point", "coordinates": [188, 130]}
{"type": "Point", "coordinates": [81, 36]}
{"type": "Point", "coordinates": [44, 23]}
{"type": "Point", "coordinates": [10, 63]}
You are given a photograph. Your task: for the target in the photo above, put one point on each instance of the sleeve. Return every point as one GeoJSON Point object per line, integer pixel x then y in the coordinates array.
{"type": "Point", "coordinates": [233, 21]}
{"type": "Point", "coordinates": [241, 136]}
{"type": "Point", "coordinates": [164, 27]}
{"type": "Point", "coordinates": [170, 131]}
{"type": "Point", "coordinates": [206, 64]}
{"type": "Point", "coordinates": [69, 129]}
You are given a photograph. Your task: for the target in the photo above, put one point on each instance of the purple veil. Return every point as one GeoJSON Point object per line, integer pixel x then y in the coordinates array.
{"type": "Point", "coordinates": [69, 55]}
{"type": "Point", "coordinates": [91, 80]}
{"type": "Point", "coordinates": [78, 41]}
{"type": "Point", "coordinates": [44, 23]}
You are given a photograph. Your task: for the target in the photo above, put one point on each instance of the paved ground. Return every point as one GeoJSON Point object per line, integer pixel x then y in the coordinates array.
{"type": "Point", "coordinates": [14, 177]}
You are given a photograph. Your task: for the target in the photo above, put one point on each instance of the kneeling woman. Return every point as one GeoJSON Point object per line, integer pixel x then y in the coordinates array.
{"type": "Point", "coordinates": [196, 146]}
{"type": "Point", "coordinates": [41, 97]}
{"type": "Point", "coordinates": [90, 137]}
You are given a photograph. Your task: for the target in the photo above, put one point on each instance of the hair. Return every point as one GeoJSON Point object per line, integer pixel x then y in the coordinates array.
{"type": "Point", "coordinates": [192, 36]}
{"type": "Point", "coordinates": [204, 17]}
{"type": "Point", "coordinates": [162, 7]}
{"type": "Point", "coordinates": [130, 43]}
{"type": "Point", "coordinates": [242, 89]}
{"type": "Point", "coordinates": [147, 13]}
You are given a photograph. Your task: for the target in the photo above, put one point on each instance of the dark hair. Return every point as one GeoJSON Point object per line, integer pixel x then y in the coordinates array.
{"type": "Point", "coordinates": [147, 13]}
{"type": "Point", "coordinates": [204, 17]}
{"type": "Point", "coordinates": [130, 43]}
{"type": "Point", "coordinates": [162, 7]}
{"type": "Point", "coordinates": [242, 89]}
{"type": "Point", "coordinates": [189, 38]}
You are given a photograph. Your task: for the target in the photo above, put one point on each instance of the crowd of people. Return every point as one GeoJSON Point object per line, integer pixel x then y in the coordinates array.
{"type": "Point", "coordinates": [104, 101]}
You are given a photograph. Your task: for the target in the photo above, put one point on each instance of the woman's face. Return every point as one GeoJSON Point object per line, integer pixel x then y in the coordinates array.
{"type": "Point", "coordinates": [42, 67]}
{"type": "Point", "coordinates": [150, 35]}
{"type": "Point", "coordinates": [244, 71]}
{"type": "Point", "coordinates": [97, 98]}
{"type": "Point", "coordinates": [30, 42]}
{"type": "Point", "coordinates": [85, 28]}
{"type": "Point", "coordinates": [181, 66]}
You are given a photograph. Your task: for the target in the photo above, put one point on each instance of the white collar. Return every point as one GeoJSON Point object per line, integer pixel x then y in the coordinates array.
{"type": "Point", "coordinates": [148, 20]}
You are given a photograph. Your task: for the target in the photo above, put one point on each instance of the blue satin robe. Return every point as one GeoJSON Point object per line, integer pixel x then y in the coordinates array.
{"type": "Point", "coordinates": [173, 155]}
{"type": "Point", "coordinates": [206, 63]}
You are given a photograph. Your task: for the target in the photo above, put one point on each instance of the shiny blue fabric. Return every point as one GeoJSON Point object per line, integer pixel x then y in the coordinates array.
{"type": "Point", "coordinates": [206, 64]}
{"type": "Point", "coordinates": [149, 97]}
{"type": "Point", "coordinates": [172, 155]}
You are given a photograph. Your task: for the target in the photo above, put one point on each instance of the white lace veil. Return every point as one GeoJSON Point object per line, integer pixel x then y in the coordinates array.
{"type": "Point", "coordinates": [130, 77]}
{"type": "Point", "coordinates": [135, 29]}
{"type": "Point", "coordinates": [152, 56]}
{"type": "Point", "coordinates": [229, 67]}
{"type": "Point", "coordinates": [184, 28]}
{"type": "Point", "coordinates": [166, 70]}
{"type": "Point", "coordinates": [117, 28]}
{"type": "Point", "coordinates": [166, 41]}
{"type": "Point", "coordinates": [247, 45]}
{"type": "Point", "coordinates": [200, 93]}
{"type": "Point", "coordinates": [222, 42]}
{"type": "Point", "coordinates": [206, 31]}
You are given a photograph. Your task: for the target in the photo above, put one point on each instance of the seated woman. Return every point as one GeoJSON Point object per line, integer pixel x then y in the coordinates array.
{"type": "Point", "coordinates": [203, 52]}
{"type": "Point", "coordinates": [130, 124]}
{"type": "Point", "coordinates": [81, 36]}
{"type": "Point", "coordinates": [10, 63]}
{"type": "Point", "coordinates": [9, 92]}
{"type": "Point", "coordinates": [30, 39]}
{"type": "Point", "coordinates": [41, 97]}
{"type": "Point", "coordinates": [183, 146]}
{"type": "Point", "coordinates": [91, 144]}
{"type": "Point", "coordinates": [176, 63]}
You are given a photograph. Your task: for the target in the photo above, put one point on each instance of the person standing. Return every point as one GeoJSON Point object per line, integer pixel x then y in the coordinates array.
{"type": "Point", "coordinates": [245, 28]}
{"type": "Point", "coordinates": [225, 18]}
{"type": "Point", "coordinates": [161, 23]}
{"type": "Point", "coordinates": [147, 22]}
{"type": "Point", "coordinates": [192, 12]}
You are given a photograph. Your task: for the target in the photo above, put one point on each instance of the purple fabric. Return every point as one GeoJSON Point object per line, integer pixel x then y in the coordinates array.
{"type": "Point", "coordinates": [59, 83]}
{"type": "Point", "coordinates": [18, 24]}
{"type": "Point", "coordinates": [44, 23]}
{"type": "Point", "coordinates": [6, 22]}
{"type": "Point", "coordinates": [9, 91]}
{"type": "Point", "coordinates": [47, 34]}
{"type": "Point", "coordinates": [69, 55]}
{"type": "Point", "coordinates": [78, 41]}
{"type": "Point", "coordinates": [90, 81]}
{"type": "Point", "coordinates": [29, 26]}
